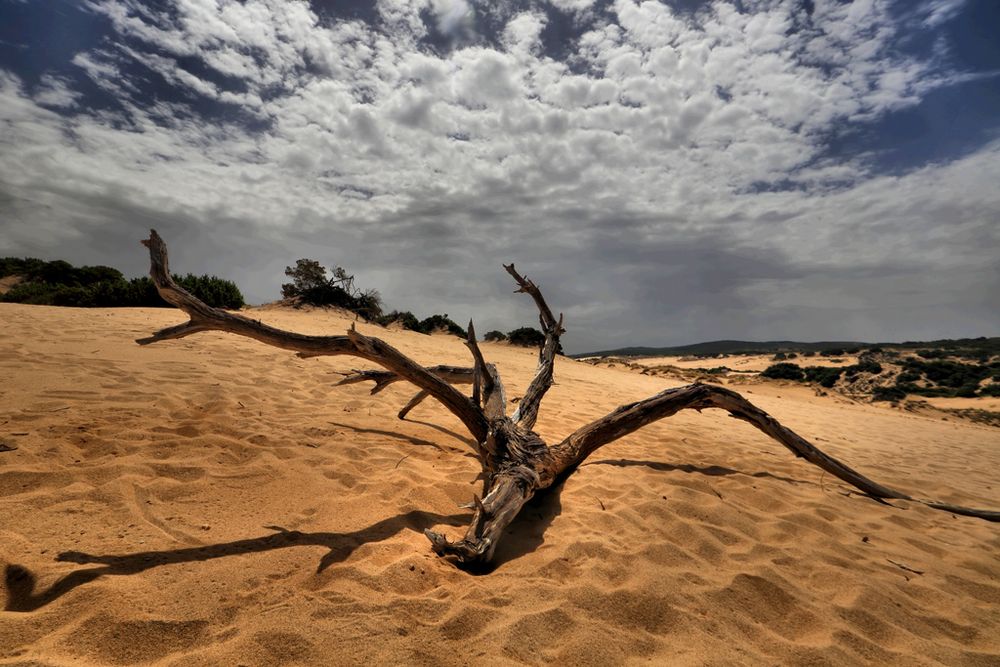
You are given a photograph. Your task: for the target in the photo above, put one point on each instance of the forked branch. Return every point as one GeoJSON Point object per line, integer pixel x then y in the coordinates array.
{"type": "Point", "coordinates": [206, 318]}
{"type": "Point", "coordinates": [382, 379]}
{"type": "Point", "coordinates": [527, 410]}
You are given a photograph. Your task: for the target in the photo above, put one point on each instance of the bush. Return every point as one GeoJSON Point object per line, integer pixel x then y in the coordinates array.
{"type": "Point", "coordinates": [526, 337]}
{"type": "Point", "coordinates": [992, 389]}
{"type": "Point", "coordinates": [864, 365]}
{"type": "Point", "coordinates": [214, 291]}
{"type": "Point", "coordinates": [780, 356]}
{"type": "Point", "coordinates": [888, 394]}
{"type": "Point", "coordinates": [825, 377]}
{"type": "Point", "coordinates": [31, 293]}
{"type": "Point", "coordinates": [311, 286]}
{"type": "Point", "coordinates": [495, 336]}
{"type": "Point", "coordinates": [104, 287]}
{"type": "Point", "coordinates": [437, 322]}
{"type": "Point", "coordinates": [784, 371]}
{"type": "Point", "coordinates": [952, 374]}
{"type": "Point", "coordinates": [405, 319]}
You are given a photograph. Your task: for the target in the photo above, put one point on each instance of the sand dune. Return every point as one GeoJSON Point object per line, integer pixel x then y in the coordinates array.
{"type": "Point", "coordinates": [214, 501]}
{"type": "Point", "coordinates": [745, 362]}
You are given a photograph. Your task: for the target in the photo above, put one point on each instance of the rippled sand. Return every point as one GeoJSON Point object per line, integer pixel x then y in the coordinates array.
{"type": "Point", "coordinates": [215, 501]}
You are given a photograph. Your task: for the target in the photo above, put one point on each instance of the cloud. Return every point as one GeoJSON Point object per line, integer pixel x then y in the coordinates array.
{"type": "Point", "coordinates": [55, 91]}
{"type": "Point", "coordinates": [452, 16]}
{"type": "Point", "coordinates": [669, 178]}
{"type": "Point", "coordinates": [937, 12]}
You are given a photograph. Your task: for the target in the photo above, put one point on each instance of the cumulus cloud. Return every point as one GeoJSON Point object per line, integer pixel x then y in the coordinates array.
{"type": "Point", "coordinates": [669, 177]}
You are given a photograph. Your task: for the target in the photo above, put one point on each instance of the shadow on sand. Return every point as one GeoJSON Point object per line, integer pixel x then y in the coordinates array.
{"type": "Point", "coordinates": [710, 471]}
{"type": "Point", "coordinates": [524, 536]}
{"type": "Point", "coordinates": [21, 582]}
{"type": "Point", "coordinates": [409, 438]}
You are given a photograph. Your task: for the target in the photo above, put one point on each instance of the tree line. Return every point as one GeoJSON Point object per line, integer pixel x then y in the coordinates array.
{"type": "Point", "coordinates": [311, 285]}
{"type": "Point", "coordinates": [59, 283]}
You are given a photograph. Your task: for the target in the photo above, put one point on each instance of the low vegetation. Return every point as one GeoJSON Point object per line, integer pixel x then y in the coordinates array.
{"type": "Point", "coordinates": [59, 283]}
{"type": "Point", "coordinates": [888, 376]}
{"type": "Point", "coordinates": [526, 337]}
{"type": "Point", "coordinates": [428, 325]}
{"type": "Point", "coordinates": [311, 286]}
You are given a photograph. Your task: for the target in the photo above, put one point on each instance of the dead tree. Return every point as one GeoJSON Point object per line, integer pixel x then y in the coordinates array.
{"type": "Point", "coordinates": [516, 462]}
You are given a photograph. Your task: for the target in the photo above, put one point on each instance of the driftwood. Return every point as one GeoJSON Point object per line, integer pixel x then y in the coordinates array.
{"type": "Point", "coordinates": [382, 379]}
{"type": "Point", "coordinates": [516, 462]}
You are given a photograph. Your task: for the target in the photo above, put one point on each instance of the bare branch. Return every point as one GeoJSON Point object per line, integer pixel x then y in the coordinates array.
{"type": "Point", "coordinates": [414, 402]}
{"type": "Point", "coordinates": [494, 400]}
{"type": "Point", "coordinates": [383, 379]}
{"type": "Point", "coordinates": [628, 418]}
{"type": "Point", "coordinates": [527, 410]}
{"type": "Point", "coordinates": [478, 364]}
{"type": "Point", "coordinates": [206, 318]}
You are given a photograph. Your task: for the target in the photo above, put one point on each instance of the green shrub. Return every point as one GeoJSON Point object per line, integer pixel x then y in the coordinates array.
{"type": "Point", "coordinates": [526, 337]}
{"type": "Point", "coordinates": [405, 319]}
{"type": "Point", "coordinates": [888, 394]}
{"type": "Point", "coordinates": [428, 325]}
{"type": "Point", "coordinates": [992, 389]}
{"type": "Point", "coordinates": [783, 371]}
{"type": "Point", "coordinates": [495, 336]}
{"type": "Point", "coordinates": [311, 286]}
{"type": "Point", "coordinates": [104, 287]}
{"type": "Point", "coordinates": [825, 377]}
{"type": "Point", "coordinates": [950, 374]}
{"type": "Point", "coordinates": [864, 365]}
{"type": "Point", "coordinates": [436, 322]}
{"type": "Point", "coordinates": [39, 294]}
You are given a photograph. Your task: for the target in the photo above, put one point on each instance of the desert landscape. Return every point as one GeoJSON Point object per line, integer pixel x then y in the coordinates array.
{"type": "Point", "coordinates": [754, 421]}
{"type": "Point", "coordinates": [214, 500]}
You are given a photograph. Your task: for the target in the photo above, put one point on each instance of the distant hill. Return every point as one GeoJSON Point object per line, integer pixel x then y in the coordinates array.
{"type": "Point", "coordinates": [715, 347]}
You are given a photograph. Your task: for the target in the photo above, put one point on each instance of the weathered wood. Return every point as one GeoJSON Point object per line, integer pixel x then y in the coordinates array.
{"type": "Point", "coordinates": [527, 409]}
{"type": "Point", "coordinates": [516, 462]}
{"type": "Point", "coordinates": [382, 379]}
{"type": "Point", "coordinates": [206, 318]}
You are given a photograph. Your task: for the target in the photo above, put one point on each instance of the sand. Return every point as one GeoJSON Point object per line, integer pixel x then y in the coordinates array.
{"type": "Point", "coordinates": [215, 501]}
{"type": "Point", "coordinates": [744, 362]}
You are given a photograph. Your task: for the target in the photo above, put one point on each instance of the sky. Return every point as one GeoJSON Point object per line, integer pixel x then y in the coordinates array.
{"type": "Point", "coordinates": [668, 171]}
